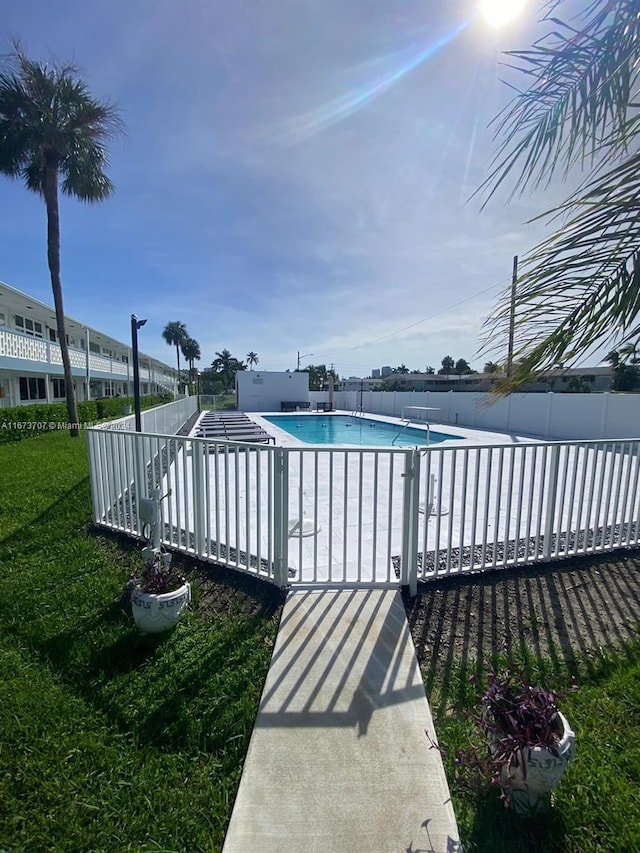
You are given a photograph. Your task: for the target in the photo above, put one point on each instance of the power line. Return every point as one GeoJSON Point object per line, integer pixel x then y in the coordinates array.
{"type": "Point", "coordinates": [419, 322]}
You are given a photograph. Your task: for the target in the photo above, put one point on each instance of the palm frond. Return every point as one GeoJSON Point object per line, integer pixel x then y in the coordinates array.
{"type": "Point", "coordinates": [175, 333]}
{"type": "Point", "coordinates": [580, 286]}
{"type": "Point", "coordinates": [583, 82]}
{"type": "Point", "coordinates": [191, 349]}
{"type": "Point", "coordinates": [84, 176]}
{"type": "Point", "coordinates": [47, 115]}
{"type": "Point", "coordinates": [34, 175]}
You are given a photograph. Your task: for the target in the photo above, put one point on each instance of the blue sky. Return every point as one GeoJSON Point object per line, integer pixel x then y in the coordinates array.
{"type": "Point", "coordinates": [295, 176]}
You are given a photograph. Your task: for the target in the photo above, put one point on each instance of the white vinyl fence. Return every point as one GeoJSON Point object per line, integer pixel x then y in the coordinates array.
{"type": "Point", "coordinates": [167, 419]}
{"type": "Point", "coordinates": [370, 516]}
{"type": "Point", "coordinates": [551, 416]}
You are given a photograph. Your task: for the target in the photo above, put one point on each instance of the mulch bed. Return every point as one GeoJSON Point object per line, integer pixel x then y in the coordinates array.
{"type": "Point", "coordinates": [565, 612]}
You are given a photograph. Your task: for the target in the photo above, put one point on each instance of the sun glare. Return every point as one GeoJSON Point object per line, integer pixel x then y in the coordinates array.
{"type": "Point", "coordinates": [500, 12]}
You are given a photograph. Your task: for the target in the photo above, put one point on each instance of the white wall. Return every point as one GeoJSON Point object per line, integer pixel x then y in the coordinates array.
{"type": "Point", "coordinates": [263, 391]}
{"type": "Point", "coordinates": [548, 415]}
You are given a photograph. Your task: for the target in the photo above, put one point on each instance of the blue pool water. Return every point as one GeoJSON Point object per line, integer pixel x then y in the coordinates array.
{"type": "Point", "coordinates": [344, 429]}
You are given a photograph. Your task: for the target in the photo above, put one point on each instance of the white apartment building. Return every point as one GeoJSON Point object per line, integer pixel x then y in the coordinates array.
{"type": "Point", "coordinates": [31, 362]}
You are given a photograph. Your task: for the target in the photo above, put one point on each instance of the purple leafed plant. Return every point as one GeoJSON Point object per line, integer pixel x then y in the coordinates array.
{"type": "Point", "coordinates": [513, 716]}
{"type": "Point", "coordinates": [157, 576]}
{"type": "Point", "coordinates": [516, 716]}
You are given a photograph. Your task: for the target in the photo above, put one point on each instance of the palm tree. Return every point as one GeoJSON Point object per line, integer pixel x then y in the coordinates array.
{"type": "Point", "coordinates": [252, 358]}
{"type": "Point", "coordinates": [626, 377]}
{"type": "Point", "coordinates": [448, 365]}
{"type": "Point", "coordinates": [175, 334]}
{"type": "Point", "coordinates": [52, 130]}
{"type": "Point", "coordinates": [462, 367]}
{"type": "Point", "coordinates": [578, 111]}
{"type": "Point", "coordinates": [227, 366]}
{"type": "Point", "coordinates": [191, 351]}
{"type": "Point", "coordinates": [631, 351]}
{"type": "Point", "coordinates": [613, 358]}
{"type": "Point", "coordinates": [492, 367]}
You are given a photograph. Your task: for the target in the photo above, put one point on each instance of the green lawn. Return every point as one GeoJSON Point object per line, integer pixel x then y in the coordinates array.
{"type": "Point", "coordinates": [109, 740]}
{"type": "Point", "coordinates": [596, 807]}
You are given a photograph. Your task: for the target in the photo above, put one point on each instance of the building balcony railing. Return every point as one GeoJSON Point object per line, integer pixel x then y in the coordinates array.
{"type": "Point", "coordinates": [18, 346]}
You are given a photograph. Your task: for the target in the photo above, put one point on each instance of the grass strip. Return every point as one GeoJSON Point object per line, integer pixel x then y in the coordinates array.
{"type": "Point", "coordinates": [110, 740]}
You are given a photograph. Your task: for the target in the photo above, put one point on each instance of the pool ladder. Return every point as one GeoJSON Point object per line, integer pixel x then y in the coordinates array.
{"type": "Point", "coordinates": [406, 424]}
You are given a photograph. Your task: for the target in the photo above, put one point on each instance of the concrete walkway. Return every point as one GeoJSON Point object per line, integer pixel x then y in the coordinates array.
{"type": "Point", "coordinates": [338, 760]}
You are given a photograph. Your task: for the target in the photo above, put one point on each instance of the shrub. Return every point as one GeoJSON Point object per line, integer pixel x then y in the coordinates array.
{"type": "Point", "coordinates": [18, 422]}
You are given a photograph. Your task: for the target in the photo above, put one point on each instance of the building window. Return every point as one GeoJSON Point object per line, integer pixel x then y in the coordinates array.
{"type": "Point", "coordinates": [28, 326]}
{"type": "Point", "coordinates": [58, 388]}
{"type": "Point", "coordinates": [125, 359]}
{"type": "Point", "coordinates": [2, 320]}
{"type": "Point", "coordinates": [32, 388]}
{"type": "Point", "coordinates": [94, 348]}
{"type": "Point", "coordinates": [54, 336]}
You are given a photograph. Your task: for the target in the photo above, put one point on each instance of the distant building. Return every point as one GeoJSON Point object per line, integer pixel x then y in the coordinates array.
{"type": "Point", "coordinates": [375, 373]}
{"type": "Point", "coordinates": [560, 380]}
{"type": "Point", "coordinates": [268, 390]}
{"type": "Point", "coordinates": [386, 371]}
{"type": "Point", "coordinates": [355, 383]}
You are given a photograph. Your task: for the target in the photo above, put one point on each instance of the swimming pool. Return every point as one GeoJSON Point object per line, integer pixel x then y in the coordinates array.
{"type": "Point", "coordinates": [345, 429]}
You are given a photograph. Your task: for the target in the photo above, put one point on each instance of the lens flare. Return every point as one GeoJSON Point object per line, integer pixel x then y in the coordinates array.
{"type": "Point", "coordinates": [500, 12]}
{"type": "Point", "coordinates": [316, 120]}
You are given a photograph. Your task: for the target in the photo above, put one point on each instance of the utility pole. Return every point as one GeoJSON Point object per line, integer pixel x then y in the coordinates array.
{"type": "Point", "coordinates": [512, 316]}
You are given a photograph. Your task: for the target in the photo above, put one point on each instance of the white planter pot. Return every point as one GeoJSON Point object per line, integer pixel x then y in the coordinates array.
{"type": "Point", "coordinates": [153, 612]}
{"type": "Point", "coordinates": [543, 772]}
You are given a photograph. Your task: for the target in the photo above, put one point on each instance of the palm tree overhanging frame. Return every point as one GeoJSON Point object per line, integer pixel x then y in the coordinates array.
{"type": "Point", "coordinates": [580, 287]}
{"type": "Point", "coordinates": [52, 129]}
{"type": "Point", "coordinates": [175, 334]}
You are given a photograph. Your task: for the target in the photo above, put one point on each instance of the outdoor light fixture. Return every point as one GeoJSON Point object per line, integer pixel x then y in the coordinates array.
{"type": "Point", "coordinates": [135, 325]}
{"type": "Point", "coordinates": [300, 357]}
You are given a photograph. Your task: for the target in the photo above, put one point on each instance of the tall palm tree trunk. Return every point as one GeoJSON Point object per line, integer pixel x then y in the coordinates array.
{"type": "Point", "coordinates": [53, 257]}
